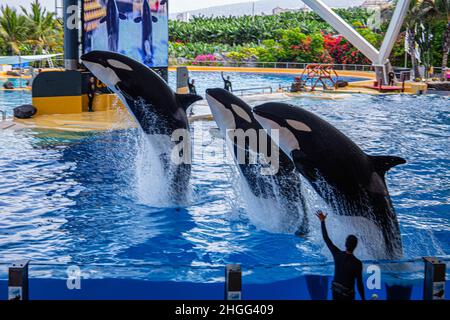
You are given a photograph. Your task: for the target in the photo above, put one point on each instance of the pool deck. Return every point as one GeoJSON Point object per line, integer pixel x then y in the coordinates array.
{"type": "Point", "coordinates": [114, 119]}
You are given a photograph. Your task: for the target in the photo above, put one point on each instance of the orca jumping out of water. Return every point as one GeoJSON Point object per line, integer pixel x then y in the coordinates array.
{"type": "Point", "coordinates": [354, 181]}
{"type": "Point", "coordinates": [112, 24]}
{"type": "Point", "coordinates": [159, 111]}
{"type": "Point", "coordinates": [234, 116]}
{"type": "Point", "coordinates": [147, 20]}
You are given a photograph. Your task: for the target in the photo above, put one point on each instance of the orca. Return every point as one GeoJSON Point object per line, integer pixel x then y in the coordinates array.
{"type": "Point", "coordinates": [147, 20]}
{"type": "Point", "coordinates": [159, 111]}
{"type": "Point", "coordinates": [349, 180]}
{"type": "Point", "coordinates": [112, 24]}
{"type": "Point", "coordinates": [232, 114]}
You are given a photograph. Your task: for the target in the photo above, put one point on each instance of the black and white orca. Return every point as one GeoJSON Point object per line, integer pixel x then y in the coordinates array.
{"type": "Point", "coordinates": [232, 116]}
{"type": "Point", "coordinates": [348, 179]}
{"type": "Point", "coordinates": [112, 24]}
{"type": "Point", "coordinates": [160, 112]}
{"type": "Point", "coordinates": [147, 20]}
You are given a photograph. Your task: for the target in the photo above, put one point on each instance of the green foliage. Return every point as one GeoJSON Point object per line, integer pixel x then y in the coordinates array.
{"type": "Point", "coordinates": [29, 32]}
{"type": "Point", "coordinates": [270, 50]}
{"type": "Point", "coordinates": [248, 29]}
{"type": "Point", "coordinates": [45, 32]}
{"type": "Point", "coordinates": [243, 54]}
{"type": "Point", "coordinates": [298, 36]}
{"type": "Point", "coordinates": [12, 30]}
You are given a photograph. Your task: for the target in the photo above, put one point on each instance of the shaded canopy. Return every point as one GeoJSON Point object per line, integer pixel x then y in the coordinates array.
{"type": "Point", "coordinates": [25, 59]}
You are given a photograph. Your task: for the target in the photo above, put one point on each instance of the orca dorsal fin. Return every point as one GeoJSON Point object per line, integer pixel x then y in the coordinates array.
{"type": "Point", "coordinates": [185, 100]}
{"type": "Point", "coordinates": [384, 163]}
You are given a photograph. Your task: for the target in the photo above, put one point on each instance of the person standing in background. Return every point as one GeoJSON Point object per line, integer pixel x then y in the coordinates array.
{"type": "Point", "coordinates": [227, 83]}
{"type": "Point", "coordinates": [191, 85]}
{"type": "Point", "coordinates": [92, 89]}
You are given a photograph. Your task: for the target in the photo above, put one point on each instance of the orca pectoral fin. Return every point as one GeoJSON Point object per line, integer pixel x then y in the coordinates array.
{"type": "Point", "coordinates": [383, 164]}
{"type": "Point", "coordinates": [122, 16]}
{"type": "Point", "coordinates": [185, 100]}
{"type": "Point", "coordinates": [154, 19]}
{"type": "Point", "coordinates": [138, 19]}
{"type": "Point", "coordinates": [103, 20]}
{"type": "Point", "coordinates": [298, 158]}
{"type": "Point", "coordinates": [303, 164]}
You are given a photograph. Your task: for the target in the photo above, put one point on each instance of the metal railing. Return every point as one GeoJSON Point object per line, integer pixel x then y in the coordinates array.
{"type": "Point", "coordinates": [3, 115]}
{"type": "Point", "coordinates": [260, 90]}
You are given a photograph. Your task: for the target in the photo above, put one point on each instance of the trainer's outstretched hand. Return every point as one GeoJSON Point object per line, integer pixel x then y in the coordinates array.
{"type": "Point", "coordinates": [322, 216]}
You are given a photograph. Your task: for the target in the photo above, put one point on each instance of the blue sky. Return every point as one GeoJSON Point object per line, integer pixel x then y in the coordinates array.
{"type": "Point", "coordinates": [175, 5]}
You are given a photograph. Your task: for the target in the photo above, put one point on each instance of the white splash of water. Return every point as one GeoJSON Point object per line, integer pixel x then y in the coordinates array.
{"type": "Point", "coordinates": [151, 183]}
{"type": "Point", "coordinates": [269, 214]}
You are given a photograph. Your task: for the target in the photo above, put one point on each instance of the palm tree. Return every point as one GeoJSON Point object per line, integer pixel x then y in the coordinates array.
{"type": "Point", "coordinates": [12, 29]}
{"type": "Point", "coordinates": [442, 11]}
{"type": "Point", "coordinates": [419, 12]}
{"type": "Point", "coordinates": [42, 27]}
{"type": "Point", "coordinates": [410, 24]}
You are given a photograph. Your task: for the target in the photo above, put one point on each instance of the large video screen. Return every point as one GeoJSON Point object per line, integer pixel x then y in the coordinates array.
{"type": "Point", "coordinates": [135, 28]}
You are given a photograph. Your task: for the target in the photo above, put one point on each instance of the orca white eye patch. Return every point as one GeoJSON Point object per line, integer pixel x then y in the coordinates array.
{"type": "Point", "coordinates": [119, 65]}
{"type": "Point", "coordinates": [298, 125]}
{"type": "Point", "coordinates": [241, 113]}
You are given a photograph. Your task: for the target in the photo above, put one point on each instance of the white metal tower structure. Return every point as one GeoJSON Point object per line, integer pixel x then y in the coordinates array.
{"type": "Point", "coordinates": [379, 58]}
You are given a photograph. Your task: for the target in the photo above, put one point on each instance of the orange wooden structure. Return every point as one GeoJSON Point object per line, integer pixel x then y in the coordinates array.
{"type": "Point", "coordinates": [318, 72]}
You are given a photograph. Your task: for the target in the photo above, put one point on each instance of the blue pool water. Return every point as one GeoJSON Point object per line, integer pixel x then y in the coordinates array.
{"type": "Point", "coordinates": [87, 200]}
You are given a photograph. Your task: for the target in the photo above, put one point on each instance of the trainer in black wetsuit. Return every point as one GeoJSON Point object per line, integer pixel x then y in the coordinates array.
{"type": "Point", "coordinates": [391, 76]}
{"type": "Point", "coordinates": [191, 85]}
{"type": "Point", "coordinates": [227, 83]}
{"type": "Point", "coordinates": [92, 88]}
{"type": "Point", "coordinates": [347, 267]}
